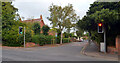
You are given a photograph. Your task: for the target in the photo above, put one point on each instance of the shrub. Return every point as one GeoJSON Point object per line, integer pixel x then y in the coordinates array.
{"type": "Point", "coordinates": [48, 39]}
{"type": "Point", "coordinates": [35, 39]}
{"type": "Point", "coordinates": [28, 35]}
{"type": "Point", "coordinates": [66, 40]}
{"type": "Point", "coordinates": [41, 39]}
{"type": "Point", "coordinates": [45, 29]}
{"type": "Point", "coordinates": [36, 28]}
{"type": "Point", "coordinates": [12, 38]}
{"type": "Point", "coordinates": [58, 40]}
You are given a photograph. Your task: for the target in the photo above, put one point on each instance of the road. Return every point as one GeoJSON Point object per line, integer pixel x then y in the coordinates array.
{"type": "Point", "coordinates": [67, 52]}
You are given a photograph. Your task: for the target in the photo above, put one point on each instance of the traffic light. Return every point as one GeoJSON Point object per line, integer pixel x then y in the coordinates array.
{"type": "Point", "coordinates": [100, 28]}
{"type": "Point", "coordinates": [20, 30]}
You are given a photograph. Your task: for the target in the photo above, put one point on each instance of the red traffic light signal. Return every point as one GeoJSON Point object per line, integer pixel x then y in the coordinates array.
{"type": "Point", "coordinates": [100, 28]}
{"type": "Point", "coordinates": [99, 24]}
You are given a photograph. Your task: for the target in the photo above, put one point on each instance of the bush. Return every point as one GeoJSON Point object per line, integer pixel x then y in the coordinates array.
{"type": "Point", "coordinates": [48, 39]}
{"type": "Point", "coordinates": [28, 35]}
{"type": "Point", "coordinates": [58, 40]}
{"type": "Point", "coordinates": [41, 39]}
{"type": "Point", "coordinates": [35, 39]}
{"type": "Point", "coordinates": [12, 38]}
{"type": "Point", "coordinates": [66, 40]}
{"type": "Point", "coordinates": [36, 28]}
{"type": "Point", "coordinates": [45, 29]}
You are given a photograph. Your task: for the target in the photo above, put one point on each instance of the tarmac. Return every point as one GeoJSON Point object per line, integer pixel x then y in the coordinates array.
{"type": "Point", "coordinates": [92, 50]}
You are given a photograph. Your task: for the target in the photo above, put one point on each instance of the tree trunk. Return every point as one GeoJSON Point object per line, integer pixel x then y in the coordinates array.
{"type": "Point", "coordinates": [61, 38]}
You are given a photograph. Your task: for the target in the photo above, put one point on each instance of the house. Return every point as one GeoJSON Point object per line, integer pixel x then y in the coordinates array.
{"type": "Point", "coordinates": [41, 24]}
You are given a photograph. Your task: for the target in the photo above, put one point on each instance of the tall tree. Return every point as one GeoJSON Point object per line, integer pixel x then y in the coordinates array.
{"type": "Point", "coordinates": [36, 28]}
{"type": "Point", "coordinates": [45, 29]}
{"type": "Point", "coordinates": [105, 12]}
{"type": "Point", "coordinates": [10, 25]}
{"type": "Point", "coordinates": [62, 17]}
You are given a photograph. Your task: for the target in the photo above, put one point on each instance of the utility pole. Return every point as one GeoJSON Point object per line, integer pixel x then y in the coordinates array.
{"type": "Point", "coordinates": [24, 37]}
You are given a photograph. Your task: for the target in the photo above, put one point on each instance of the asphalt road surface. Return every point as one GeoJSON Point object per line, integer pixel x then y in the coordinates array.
{"type": "Point", "coordinates": [67, 52]}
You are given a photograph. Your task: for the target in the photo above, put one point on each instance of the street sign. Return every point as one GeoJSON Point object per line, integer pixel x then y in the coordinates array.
{"type": "Point", "coordinates": [102, 47]}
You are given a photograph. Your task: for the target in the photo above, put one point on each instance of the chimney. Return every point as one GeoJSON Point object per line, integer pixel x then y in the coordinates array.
{"type": "Point", "coordinates": [41, 17]}
{"type": "Point", "coordinates": [20, 19]}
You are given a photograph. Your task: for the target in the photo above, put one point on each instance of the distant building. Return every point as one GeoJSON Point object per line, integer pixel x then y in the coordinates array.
{"type": "Point", "coordinates": [41, 23]}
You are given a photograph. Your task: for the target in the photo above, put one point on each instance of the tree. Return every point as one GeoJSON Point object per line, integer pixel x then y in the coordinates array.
{"type": "Point", "coordinates": [62, 17]}
{"type": "Point", "coordinates": [36, 28]}
{"type": "Point", "coordinates": [45, 29]}
{"type": "Point", "coordinates": [79, 33]}
{"type": "Point", "coordinates": [105, 12]}
{"type": "Point", "coordinates": [10, 25]}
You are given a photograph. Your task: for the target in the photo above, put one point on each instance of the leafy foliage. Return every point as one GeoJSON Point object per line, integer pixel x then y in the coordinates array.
{"type": "Point", "coordinates": [42, 39]}
{"type": "Point", "coordinates": [108, 14]}
{"type": "Point", "coordinates": [36, 28]}
{"type": "Point", "coordinates": [10, 26]}
{"type": "Point", "coordinates": [62, 18]}
{"type": "Point", "coordinates": [45, 29]}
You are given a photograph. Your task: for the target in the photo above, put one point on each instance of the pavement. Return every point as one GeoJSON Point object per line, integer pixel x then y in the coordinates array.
{"type": "Point", "coordinates": [92, 50]}
{"type": "Point", "coordinates": [66, 52]}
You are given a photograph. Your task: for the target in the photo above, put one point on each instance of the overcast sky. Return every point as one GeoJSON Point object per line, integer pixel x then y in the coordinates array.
{"type": "Point", "coordinates": [29, 8]}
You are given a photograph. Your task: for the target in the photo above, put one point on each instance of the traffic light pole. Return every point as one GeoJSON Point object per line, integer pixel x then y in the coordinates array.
{"type": "Point", "coordinates": [24, 37]}
{"type": "Point", "coordinates": [102, 29]}
{"type": "Point", "coordinates": [105, 40]}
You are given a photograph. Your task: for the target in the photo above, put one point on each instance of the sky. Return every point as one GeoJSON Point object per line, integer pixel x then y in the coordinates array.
{"type": "Point", "coordinates": [35, 8]}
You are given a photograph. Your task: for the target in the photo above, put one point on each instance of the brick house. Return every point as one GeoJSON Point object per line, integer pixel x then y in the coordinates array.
{"type": "Point", "coordinates": [41, 24]}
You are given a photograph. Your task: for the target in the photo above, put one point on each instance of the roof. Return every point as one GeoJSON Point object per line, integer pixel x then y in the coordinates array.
{"type": "Point", "coordinates": [32, 20]}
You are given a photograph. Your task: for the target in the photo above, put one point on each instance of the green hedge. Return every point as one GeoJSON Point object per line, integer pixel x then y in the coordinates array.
{"type": "Point", "coordinates": [12, 38]}
{"type": "Point", "coordinates": [57, 40]}
{"type": "Point", "coordinates": [48, 39]}
{"type": "Point", "coordinates": [28, 36]}
{"type": "Point", "coordinates": [41, 39]}
{"type": "Point", "coordinates": [66, 40]}
{"type": "Point", "coordinates": [35, 39]}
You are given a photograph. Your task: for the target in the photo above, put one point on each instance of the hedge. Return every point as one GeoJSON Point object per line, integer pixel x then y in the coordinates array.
{"type": "Point", "coordinates": [64, 40]}
{"type": "Point", "coordinates": [42, 39]}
